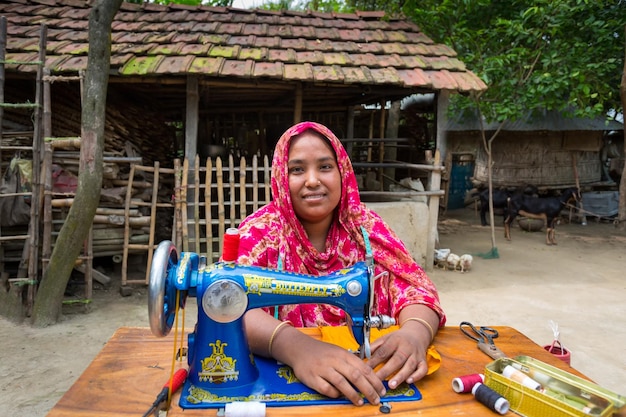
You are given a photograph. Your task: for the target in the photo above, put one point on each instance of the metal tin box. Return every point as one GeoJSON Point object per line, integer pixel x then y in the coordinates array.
{"type": "Point", "coordinates": [562, 394]}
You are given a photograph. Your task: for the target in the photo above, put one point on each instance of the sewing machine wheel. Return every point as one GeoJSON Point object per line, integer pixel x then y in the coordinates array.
{"type": "Point", "coordinates": [162, 291]}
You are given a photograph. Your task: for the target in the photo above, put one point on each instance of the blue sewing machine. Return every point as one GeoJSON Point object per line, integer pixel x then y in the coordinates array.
{"type": "Point", "coordinates": [221, 367]}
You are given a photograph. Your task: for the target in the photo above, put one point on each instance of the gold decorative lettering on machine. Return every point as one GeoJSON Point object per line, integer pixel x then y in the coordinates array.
{"type": "Point", "coordinates": [257, 285]}
{"type": "Point", "coordinates": [218, 367]}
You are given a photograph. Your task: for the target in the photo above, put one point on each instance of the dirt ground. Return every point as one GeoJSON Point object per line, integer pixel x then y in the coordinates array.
{"type": "Point", "coordinates": [578, 284]}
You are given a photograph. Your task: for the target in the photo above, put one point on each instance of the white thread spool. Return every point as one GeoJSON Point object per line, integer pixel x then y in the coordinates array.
{"type": "Point", "coordinates": [245, 409]}
{"type": "Point", "coordinates": [520, 377]}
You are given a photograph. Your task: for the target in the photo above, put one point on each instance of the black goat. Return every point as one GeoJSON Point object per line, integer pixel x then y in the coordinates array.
{"type": "Point", "coordinates": [545, 208]}
{"type": "Point", "coordinates": [501, 200]}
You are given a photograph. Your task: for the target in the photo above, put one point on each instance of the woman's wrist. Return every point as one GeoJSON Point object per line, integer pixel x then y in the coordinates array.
{"type": "Point", "coordinates": [423, 322]}
{"type": "Point", "coordinates": [274, 335]}
{"type": "Point", "coordinates": [421, 319]}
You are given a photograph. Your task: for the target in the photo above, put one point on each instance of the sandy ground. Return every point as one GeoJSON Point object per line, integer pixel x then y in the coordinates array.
{"type": "Point", "coordinates": [578, 284]}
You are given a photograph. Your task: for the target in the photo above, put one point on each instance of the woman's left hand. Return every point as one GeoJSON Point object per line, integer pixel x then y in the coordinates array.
{"type": "Point", "coordinates": [403, 353]}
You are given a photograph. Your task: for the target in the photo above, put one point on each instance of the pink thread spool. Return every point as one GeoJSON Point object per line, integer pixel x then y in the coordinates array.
{"type": "Point", "coordinates": [557, 349]}
{"type": "Point", "coordinates": [465, 383]}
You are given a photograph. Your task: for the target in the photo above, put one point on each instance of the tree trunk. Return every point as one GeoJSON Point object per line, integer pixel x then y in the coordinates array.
{"type": "Point", "coordinates": [621, 212]}
{"type": "Point", "coordinates": [49, 300]}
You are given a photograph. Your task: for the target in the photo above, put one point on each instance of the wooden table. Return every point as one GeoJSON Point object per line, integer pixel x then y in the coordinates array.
{"type": "Point", "coordinates": [129, 372]}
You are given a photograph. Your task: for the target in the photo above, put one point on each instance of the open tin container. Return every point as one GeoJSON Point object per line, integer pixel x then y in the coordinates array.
{"type": "Point", "coordinates": [562, 395]}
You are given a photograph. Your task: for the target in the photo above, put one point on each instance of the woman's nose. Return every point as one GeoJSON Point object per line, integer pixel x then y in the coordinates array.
{"type": "Point", "coordinates": [311, 180]}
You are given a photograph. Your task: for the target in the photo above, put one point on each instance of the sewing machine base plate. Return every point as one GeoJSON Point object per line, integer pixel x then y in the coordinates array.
{"type": "Point", "coordinates": [276, 386]}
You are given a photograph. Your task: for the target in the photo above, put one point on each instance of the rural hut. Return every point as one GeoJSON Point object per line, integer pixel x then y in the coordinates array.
{"type": "Point", "coordinates": [216, 85]}
{"type": "Point", "coordinates": [550, 151]}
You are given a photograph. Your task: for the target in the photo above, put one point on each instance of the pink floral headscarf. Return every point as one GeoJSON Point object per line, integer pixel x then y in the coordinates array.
{"type": "Point", "coordinates": [274, 237]}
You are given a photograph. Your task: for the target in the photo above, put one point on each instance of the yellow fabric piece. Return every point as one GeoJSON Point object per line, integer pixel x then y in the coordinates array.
{"type": "Point", "coordinates": [342, 336]}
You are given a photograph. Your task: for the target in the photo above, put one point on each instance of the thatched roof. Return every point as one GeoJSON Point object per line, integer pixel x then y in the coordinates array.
{"type": "Point", "coordinates": [339, 59]}
{"type": "Point", "coordinates": [546, 121]}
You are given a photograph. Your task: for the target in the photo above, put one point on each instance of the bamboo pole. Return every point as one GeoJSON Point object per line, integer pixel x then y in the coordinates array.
{"type": "Point", "coordinates": [183, 205]}
{"type": "Point", "coordinates": [153, 214]}
{"type": "Point", "coordinates": [242, 189]}
{"type": "Point", "coordinates": [178, 229]}
{"type": "Point", "coordinates": [266, 179]}
{"type": "Point", "coordinates": [207, 209]}
{"type": "Point", "coordinates": [196, 204]}
{"type": "Point", "coordinates": [129, 195]}
{"type": "Point", "coordinates": [220, 199]}
{"type": "Point", "coordinates": [255, 183]}
{"type": "Point", "coordinates": [46, 246]}
{"type": "Point", "coordinates": [231, 187]}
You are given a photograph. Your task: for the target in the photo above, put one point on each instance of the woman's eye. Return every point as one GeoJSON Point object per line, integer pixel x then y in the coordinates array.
{"type": "Point", "coordinates": [295, 170]}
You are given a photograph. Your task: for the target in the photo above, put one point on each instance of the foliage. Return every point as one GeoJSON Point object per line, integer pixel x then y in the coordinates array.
{"type": "Point", "coordinates": [533, 54]}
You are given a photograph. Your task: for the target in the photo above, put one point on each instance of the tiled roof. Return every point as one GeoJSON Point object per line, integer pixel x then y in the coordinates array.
{"type": "Point", "coordinates": [157, 41]}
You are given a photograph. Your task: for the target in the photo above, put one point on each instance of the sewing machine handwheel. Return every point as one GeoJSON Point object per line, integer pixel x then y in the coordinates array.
{"type": "Point", "coordinates": [161, 290]}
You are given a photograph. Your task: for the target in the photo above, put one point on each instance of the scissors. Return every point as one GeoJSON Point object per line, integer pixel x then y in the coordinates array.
{"type": "Point", "coordinates": [484, 336]}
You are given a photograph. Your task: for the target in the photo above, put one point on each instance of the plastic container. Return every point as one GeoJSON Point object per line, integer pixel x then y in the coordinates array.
{"type": "Point", "coordinates": [562, 395]}
{"type": "Point", "coordinates": [559, 351]}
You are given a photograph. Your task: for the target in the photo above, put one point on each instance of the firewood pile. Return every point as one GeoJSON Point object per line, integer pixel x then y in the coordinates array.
{"type": "Point", "coordinates": [134, 134]}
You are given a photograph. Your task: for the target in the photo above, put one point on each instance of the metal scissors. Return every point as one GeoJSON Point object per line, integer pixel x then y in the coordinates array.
{"type": "Point", "coordinates": [484, 336]}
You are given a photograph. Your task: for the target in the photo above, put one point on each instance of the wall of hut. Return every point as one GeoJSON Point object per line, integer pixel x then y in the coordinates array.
{"type": "Point", "coordinates": [546, 159]}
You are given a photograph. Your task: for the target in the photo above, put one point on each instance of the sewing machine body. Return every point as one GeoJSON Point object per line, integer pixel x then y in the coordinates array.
{"type": "Point", "coordinates": [221, 367]}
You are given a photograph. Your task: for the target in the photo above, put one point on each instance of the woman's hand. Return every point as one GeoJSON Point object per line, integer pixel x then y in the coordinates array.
{"type": "Point", "coordinates": [403, 352]}
{"type": "Point", "coordinates": [328, 369]}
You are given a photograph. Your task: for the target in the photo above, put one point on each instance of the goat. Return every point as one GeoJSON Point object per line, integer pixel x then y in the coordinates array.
{"type": "Point", "coordinates": [545, 208]}
{"type": "Point", "coordinates": [500, 200]}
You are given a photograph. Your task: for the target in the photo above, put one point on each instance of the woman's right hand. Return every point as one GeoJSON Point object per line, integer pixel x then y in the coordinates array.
{"type": "Point", "coordinates": [326, 368]}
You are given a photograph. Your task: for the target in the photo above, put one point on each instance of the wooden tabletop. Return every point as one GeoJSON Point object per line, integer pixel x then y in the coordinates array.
{"type": "Point", "coordinates": [129, 372]}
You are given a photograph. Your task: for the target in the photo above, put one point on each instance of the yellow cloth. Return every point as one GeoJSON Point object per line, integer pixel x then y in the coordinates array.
{"type": "Point", "coordinates": [342, 336]}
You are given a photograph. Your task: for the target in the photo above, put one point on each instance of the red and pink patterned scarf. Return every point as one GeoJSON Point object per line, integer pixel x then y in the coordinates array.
{"type": "Point", "coordinates": [274, 237]}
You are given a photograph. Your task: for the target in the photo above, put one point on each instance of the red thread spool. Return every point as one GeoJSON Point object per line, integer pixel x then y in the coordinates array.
{"type": "Point", "coordinates": [231, 245]}
{"type": "Point", "coordinates": [465, 383]}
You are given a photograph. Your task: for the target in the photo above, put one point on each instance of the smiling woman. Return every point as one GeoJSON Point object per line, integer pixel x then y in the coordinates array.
{"type": "Point", "coordinates": [316, 225]}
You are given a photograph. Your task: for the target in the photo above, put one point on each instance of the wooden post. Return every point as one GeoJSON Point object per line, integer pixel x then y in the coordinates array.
{"type": "Point", "coordinates": [297, 109]}
{"type": "Point", "coordinates": [433, 212]}
{"type": "Point", "coordinates": [191, 143]}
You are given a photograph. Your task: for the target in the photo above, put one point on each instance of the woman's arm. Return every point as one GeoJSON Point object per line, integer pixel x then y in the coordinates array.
{"type": "Point", "coordinates": [326, 368]}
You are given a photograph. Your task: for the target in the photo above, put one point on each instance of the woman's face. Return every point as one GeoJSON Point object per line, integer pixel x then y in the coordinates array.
{"type": "Point", "coordinates": [314, 179]}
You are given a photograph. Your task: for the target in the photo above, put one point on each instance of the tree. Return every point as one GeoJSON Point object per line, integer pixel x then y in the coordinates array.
{"type": "Point", "coordinates": [534, 55]}
{"type": "Point", "coordinates": [49, 299]}
{"type": "Point", "coordinates": [621, 215]}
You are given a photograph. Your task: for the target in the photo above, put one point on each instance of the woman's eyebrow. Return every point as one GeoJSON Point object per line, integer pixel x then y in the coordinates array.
{"type": "Point", "coordinates": [301, 161]}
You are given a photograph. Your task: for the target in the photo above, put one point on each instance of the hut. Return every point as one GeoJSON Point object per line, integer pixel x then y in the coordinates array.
{"type": "Point", "coordinates": [197, 82]}
{"type": "Point", "coordinates": [549, 151]}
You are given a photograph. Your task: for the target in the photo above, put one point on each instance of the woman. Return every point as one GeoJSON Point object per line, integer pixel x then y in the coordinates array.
{"type": "Point", "coordinates": [315, 225]}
